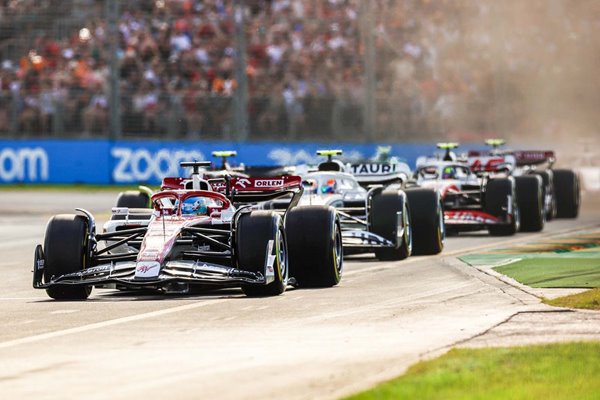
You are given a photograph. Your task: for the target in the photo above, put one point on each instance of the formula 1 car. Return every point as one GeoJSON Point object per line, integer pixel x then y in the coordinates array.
{"type": "Point", "coordinates": [472, 201]}
{"type": "Point", "coordinates": [198, 233]}
{"type": "Point", "coordinates": [560, 187]}
{"type": "Point", "coordinates": [376, 214]}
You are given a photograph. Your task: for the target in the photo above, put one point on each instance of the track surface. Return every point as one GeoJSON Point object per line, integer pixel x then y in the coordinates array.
{"type": "Point", "coordinates": [305, 344]}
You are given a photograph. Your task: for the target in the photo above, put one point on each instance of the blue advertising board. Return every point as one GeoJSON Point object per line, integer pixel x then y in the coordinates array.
{"type": "Point", "coordinates": [128, 161]}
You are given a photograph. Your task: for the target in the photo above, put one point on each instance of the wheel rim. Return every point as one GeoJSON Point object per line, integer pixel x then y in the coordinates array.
{"type": "Point", "coordinates": [442, 225]}
{"type": "Point", "coordinates": [282, 256]}
{"type": "Point", "coordinates": [408, 236]}
{"type": "Point", "coordinates": [338, 250]}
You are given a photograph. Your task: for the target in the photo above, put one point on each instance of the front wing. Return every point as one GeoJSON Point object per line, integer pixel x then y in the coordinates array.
{"type": "Point", "coordinates": [180, 271]}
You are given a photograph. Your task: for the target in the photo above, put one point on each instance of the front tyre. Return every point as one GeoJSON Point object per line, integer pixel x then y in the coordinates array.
{"type": "Point", "coordinates": [531, 205]}
{"type": "Point", "coordinates": [500, 195]}
{"type": "Point", "coordinates": [386, 208]}
{"type": "Point", "coordinates": [257, 233]}
{"type": "Point", "coordinates": [65, 249]}
{"type": "Point", "coordinates": [315, 246]}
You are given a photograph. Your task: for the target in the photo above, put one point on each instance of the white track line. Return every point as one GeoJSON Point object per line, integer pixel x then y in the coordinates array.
{"type": "Point", "coordinates": [103, 324]}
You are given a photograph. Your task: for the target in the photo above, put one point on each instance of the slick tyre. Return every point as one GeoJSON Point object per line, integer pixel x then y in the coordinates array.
{"type": "Point", "coordinates": [65, 249]}
{"type": "Point", "coordinates": [548, 194]}
{"type": "Point", "coordinates": [315, 246]}
{"type": "Point", "coordinates": [530, 200]}
{"type": "Point", "coordinates": [260, 240]}
{"type": "Point", "coordinates": [427, 219]}
{"type": "Point", "coordinates": [498, 192]}
{"type": "Point", "coordinates": [567, 192]}
{"type": "Point", "coordinates": [386, 206]}
{"type": "Point", "coordinates": [133, 199]}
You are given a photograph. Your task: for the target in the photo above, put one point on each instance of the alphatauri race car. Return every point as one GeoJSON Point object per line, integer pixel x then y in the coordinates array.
{"type": "Point", "coordinates": [560, 187]}
{"type": "Point", "coordinates": [198, 232]}
{"type": "Point", "coordinates": [376, 213]}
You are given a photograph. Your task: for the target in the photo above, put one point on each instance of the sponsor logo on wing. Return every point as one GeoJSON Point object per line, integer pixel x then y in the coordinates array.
{"type": "Point", "coordinates": [268, 182]}
{"type": "Point", "coordinates": [147, 269]}
{"type": "Point", "coordinates": [469, 216]}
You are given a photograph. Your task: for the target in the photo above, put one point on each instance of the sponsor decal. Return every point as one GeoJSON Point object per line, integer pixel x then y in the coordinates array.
{"type": "Point", "coordinates": [17, 164]}
{"type": "Point", "coordinates": [147, 269]}
{"type": "Point", "coordinates": [97, 270]}
{"type": "Point", "coordinates": [143, 165]}
{"type": "Point", "coordinates": [242, 182]}
{"type": "Point", "coordinates": [268, 182]}
{"type": "Point", "coordinates": [469, 217]}
{"type": "Point", "coordinates": [373, 169]}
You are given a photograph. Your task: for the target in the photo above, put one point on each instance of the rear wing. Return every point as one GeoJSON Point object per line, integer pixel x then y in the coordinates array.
{"type": "Point", "coordinates": [522, 157]}
{"type": "Point", "coordinates": [492, 163]}
{"type": "Point", "coordinates": [253, 190]}
{"type": "Point", "coordinates": [378, 173]}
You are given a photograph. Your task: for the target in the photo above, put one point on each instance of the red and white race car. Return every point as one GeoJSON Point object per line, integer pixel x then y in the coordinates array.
{"type": "Point", "coordinates": [197, 232]}
{"type": "Point", "coordinates": [472, 201]}
{"type": "Point", "coordinates": [560, 187]}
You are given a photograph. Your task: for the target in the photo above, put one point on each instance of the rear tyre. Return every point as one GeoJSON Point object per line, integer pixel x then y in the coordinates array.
{"type": "Point", "coordinates": [567, 192]}
{"type": "Point", "coordinates": [530, 200]}
{"type": "Point", "coordinates": [315, 246]}
{"type": "Point", "coordinates": [427, 219]}
{"type": "Point", "coordinates": [133, 199]}
{"type": "Point", "coordinates": [497, 195]}
{"type": "Point", "coordinates": [65, 249]}
{"type": "Point", "coordinates": [548, 196]}
{"type": "Point", "coordinates": [256, 233]}
{"type": "Point", "coordinates": [385, 207]}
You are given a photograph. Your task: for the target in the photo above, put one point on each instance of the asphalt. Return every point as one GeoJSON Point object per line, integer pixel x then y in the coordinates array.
{"type": "Point", "coordinates": [304, 344]}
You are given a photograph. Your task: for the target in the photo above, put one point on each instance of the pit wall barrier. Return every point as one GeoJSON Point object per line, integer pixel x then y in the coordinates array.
{"type": "Point", "coordinates": [133, 162]}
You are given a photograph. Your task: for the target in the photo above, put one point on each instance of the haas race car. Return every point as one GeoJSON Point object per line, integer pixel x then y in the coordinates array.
{"type": "Point", "coordinates": [479, 192]}
{"type": "Point", "coordinates": [376, 213]}
{"type": "Point", "coordinates": [560, 187]}
{"type": "Point", "coordinates": [198, 232]}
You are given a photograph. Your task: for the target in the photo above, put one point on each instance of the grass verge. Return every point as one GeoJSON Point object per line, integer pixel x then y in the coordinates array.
{"type": "Point", "coordinates": [555, 272]}
{"type": "Point", "coordinates": [556, 371]}
{"type": "Point", "coordinates": [589, 300]}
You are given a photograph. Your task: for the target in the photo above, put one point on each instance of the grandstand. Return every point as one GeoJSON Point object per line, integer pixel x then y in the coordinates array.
{"type": "Point", "coordinates": [442, 68]}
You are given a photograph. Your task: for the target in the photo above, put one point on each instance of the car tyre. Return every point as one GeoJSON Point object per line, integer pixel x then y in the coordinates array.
{"type": "Point", "coordinates": [254, 231]}
{"type": "Point", "coordinates": [427, 219]}
{"type": "Point", "coordinates": [567, 192]}
{"type": "Point", "coordinates": [497, 192]}
{"type": "Point", "coordinates": [531, 205]}
{"type": "Point", "coordinates": [315, 246]}
{"type": "Point", "coordinates": [385, 206]}
{"type": "Point", "coordinates": [65, 250]}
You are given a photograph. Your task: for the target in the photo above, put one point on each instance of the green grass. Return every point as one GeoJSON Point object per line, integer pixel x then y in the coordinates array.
{"type": "Point", "coordinates": [558, 371]}
{"type": "Point", "coordinates": [555, 272]}
{"type": "Point", "coordinates": [589, 299]}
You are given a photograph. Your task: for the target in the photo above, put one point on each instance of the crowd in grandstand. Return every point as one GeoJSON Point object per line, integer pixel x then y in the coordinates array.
{"type": "Point", "coordinates": [305, 66]}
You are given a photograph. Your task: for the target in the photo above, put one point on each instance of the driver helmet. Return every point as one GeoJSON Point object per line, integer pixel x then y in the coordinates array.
{"type": "Point", "coordinates": [328, 187]}
{"type": "Point", "coordinates": [449, 173]}
{"type": "Point", "coordinates": [194, 205]}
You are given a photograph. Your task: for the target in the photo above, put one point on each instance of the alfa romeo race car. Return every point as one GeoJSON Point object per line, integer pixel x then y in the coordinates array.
{"type": "Point", "coordinates": [197, 233]}
{"type": "Point", "coordinates": [560, 187]}
{"type": "Point", "coordinates": [376, 214]}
